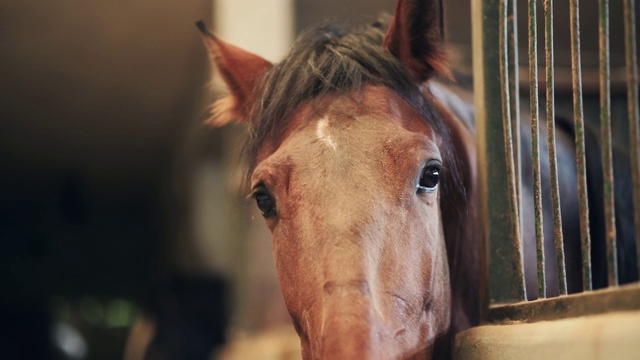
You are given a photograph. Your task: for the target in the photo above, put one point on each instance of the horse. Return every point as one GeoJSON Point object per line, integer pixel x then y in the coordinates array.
{"type": "Point", "coordinates": [363, 166]}
{"type": "Point", "coordinates": [361, 174]}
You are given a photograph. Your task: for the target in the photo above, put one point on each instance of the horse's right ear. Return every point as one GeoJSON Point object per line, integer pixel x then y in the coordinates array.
{"type": "Point", "coordinates": [240, 70]}
{"type": "Point", "coordinates": [415, 37]}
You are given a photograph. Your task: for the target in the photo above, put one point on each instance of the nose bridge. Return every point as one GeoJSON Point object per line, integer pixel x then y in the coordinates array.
{"type": "Point", "coordinates": [349, 233]}
{"type": "Point", "coordinates": [349, 299]}
{"type": "Point", "coordinates": [348, 312]}
{"type": "Point", "coordinates": [350, 249]}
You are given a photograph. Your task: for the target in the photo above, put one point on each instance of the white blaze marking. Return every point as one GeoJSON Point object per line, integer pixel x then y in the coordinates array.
{"type": "Point", "coordinates": [323, 134]}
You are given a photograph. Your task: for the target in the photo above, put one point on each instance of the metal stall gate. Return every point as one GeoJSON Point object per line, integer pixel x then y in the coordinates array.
{"type": "Point", "coordinates": [560, 321]}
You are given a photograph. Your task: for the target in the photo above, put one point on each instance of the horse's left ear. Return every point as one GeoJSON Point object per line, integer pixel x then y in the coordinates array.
{"type": "Point", "coordinates": [240, 70]}
{"type": "Point", "coordinates": [415, 37]}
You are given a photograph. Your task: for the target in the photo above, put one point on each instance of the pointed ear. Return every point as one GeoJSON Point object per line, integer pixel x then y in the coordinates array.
{"type": "Point", "coordinates": [415, 37]}
{"type": "Point", "coordinates": [240, 70]}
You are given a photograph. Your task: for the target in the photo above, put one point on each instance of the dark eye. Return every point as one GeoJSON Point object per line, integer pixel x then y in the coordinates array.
{"type": "Point", "coordinates": [266, 202]}
{"type": "Point", "coordinates": [429, 178]}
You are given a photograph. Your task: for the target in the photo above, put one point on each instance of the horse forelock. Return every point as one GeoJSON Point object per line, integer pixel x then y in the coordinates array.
{"type": "Point", "coordinates": [335, 58]}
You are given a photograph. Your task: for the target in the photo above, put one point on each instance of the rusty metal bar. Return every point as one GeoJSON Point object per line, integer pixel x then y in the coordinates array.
{"type": "Point", "coordinates": [622, 298]}
{"type": "Point", "coordinates": [514, 99]}
{"type": "Point", "coordinates": [504, 267]}
{"type": "Point", "coordinates": [551, 143]}
{"type": "Point", "coordinates": [605, 141]}
{"type": "Point", "coordinates": [508, 140]}
{"type": "Point", "coordinates": [535, 146]}
{"type": "Point", "coordinates": [632, 106]}
{"type": "Point", "coordinates": [583, 204]}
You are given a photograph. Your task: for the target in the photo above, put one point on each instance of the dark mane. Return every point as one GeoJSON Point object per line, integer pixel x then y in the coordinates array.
{"type": "Point", "coordinates": [333, 58]}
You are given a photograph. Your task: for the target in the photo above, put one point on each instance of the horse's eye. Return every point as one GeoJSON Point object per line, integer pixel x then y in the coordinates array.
{"type": "Point", "coordinates": [429, 178]}
{"type": "Point", "coordinates": [265, 201]}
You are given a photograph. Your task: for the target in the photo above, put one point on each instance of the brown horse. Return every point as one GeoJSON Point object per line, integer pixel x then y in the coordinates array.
{"type": "Point", "coordinates": [364, 169]}
{"type": "Point", "coordinates": [367, 183]}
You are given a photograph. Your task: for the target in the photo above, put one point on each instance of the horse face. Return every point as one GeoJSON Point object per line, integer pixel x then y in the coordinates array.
{"type": "Point", "coordinates": [348, 181]}
{"type": "Point", "coordinates": [352, 198]}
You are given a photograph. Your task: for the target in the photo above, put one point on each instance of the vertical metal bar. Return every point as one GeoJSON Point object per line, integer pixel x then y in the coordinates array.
{"type": "Point", "coordinates": [514, 99]}
{"type": "Point", "coordinates": [508, 139]}
{"type": "Point", "coordinates": [506, 280]}
{"type": "Point", "coordinates": [605, 141]}
{"type": "Point", "coordinates": [535, 145]}
{"type": "Point", "coordinates": [632, 105]}
{"type": "Point", "coordinates": [551, 143]}
{"type": "Point", "coordinates": [583, 204]}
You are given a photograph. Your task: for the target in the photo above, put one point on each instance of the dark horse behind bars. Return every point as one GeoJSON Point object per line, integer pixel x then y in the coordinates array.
{"type": "Point", "coordinates": [364, 169]}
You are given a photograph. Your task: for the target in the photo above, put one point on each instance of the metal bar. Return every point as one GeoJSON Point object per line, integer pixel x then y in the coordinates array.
{"type": "Point", "coordinates": [601, 301]}
{"type": "Point", "coordinates": [551, 143]}
{"type": "Point", "coordinates": [508, 140]}
{"type": "Point", "coordinates": [514, 99]}
{"type": "Point", "coordinates": [583, 204]}
{"type": "Point", "coordinates": [605, 141]}
{"type": "Point", "coordinates": [535, 145]}
{"type": "Point", "coordinates": [504, 274]}
{"type": "Point", "coordinates": [632, 106]}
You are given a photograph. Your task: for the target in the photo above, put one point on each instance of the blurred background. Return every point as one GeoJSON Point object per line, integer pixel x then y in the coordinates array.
{"type": "Point", "coordinates": [123, 227]}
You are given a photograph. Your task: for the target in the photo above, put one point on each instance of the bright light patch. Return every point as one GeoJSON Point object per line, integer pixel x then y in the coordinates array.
{"type": "Point", "coordinates": [323, 134]}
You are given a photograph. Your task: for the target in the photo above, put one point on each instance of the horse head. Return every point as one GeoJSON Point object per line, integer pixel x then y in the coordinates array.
{"type": "Point", "coordinates": [365, 181]}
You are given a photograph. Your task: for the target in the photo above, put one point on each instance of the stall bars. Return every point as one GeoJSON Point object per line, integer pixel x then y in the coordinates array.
{"type": "Point", "coordinates": [497, 119]}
